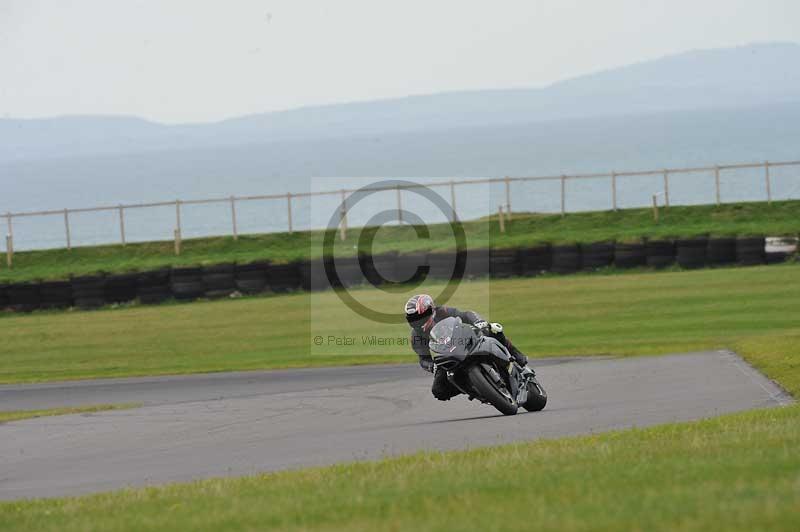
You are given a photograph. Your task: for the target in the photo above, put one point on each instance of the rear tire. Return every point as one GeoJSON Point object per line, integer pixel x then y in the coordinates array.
{"type": "Point", "coordinates": [537, 397]}
{"type": "Point", "coordinates": [489, 391]}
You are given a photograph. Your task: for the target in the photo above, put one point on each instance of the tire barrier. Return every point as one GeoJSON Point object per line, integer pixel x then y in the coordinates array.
{"type": "Point", "coordinates": [122, 288]}
{"type": "Point", "coordinates": [55, 294]}
{"type": "Point", "coordinates": [566, 259]}
{"type": "Point", "coordinates": [219, 280]}
{"type": "Point", "coordinates": [597, 255]}
{"type": "Point", "coordinates": [478, 263]}
{"type": "Point", "coordinates": [24, 297]}
{"type": "Point", "coordinates": [630, 255]}
{"type": "Point", "coordinates": [779, 249]}
{"type": "Point", "coordinates": [659, 253]}
{"type": "Point", "coordinates": [349, 271]}
{"type": "Point", "coordinates": [251, 278]}
{"type": "Point", "coordinates": [381, 268]}
{"type": "Point", "coordinates": [750, 250]}
{"type": "Point", "coordinates": [691, 253]}
{"type": "Point", "coordinates": [153, 287]}
{"type": "Point", "coordinates": [187, 283]}
{"type": "Point", "coordinates": [721, 251]}
{"type": "Point", "coordinates": [441, 264]}
{"type": "Point", "coordinates": [503, 263]}
{"type": "Point", "coordinates": [284, 278]}
{"type": "Point", "coordinates": [536, 260]}
{"type": "Point", "coordinates": [88, 291]}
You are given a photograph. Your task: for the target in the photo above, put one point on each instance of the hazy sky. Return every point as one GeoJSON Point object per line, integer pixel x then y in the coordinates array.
{"type": "Point", "coordinates": [197, 60]}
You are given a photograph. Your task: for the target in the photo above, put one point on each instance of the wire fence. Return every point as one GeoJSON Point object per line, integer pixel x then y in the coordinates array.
{"type": "Point", "coordinates": [725, 183]}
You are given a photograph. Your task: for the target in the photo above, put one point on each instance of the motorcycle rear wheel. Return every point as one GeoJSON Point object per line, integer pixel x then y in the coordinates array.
{"type": "Point", "coordinates": [488, 390]}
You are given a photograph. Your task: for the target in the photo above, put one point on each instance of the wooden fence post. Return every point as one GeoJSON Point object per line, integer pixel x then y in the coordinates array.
{"type": "Point", "coordinates": [343, 217]}
{"type": "Point", "coordinates": [177, 242]}
{"type": "Point", "coordinates": [453, 199]}
{"type": "Point", "coordinates": [563, 195]}
{"type": "Point", "coordinates": [66, 229]}
{"type": "Point", "coordinates": [716, 182]}
{"type": "Point", "coordinates": [655, 208]}
{"type": "Point", "coordinates": [289, 210]}
{"type": "Point", "coordinates": [500, 218]}
{"type": "Point", "coordinates": [9, 250]}
{"type": "Point", "coordinates": [233, 218]}
{"type": "Point", "coordinates": [508, 197]}
{"type": "Point", "coordinates": [614, 190]}
{"type": "Point", "coordinates": [666, 188]}
{"type": "Point", "coordinates": [399, 205]}
{"type": "Point", "coordinates": [178, 228]}
{"type": "Point", "coordinates": [122, 224]}
{"type": "Point", "coordinates": [769, 185]}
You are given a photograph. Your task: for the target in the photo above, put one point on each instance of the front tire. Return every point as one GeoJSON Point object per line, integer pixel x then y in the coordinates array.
{"type": "Point", "coordinates": [489, 390]}
{"type": "Point", "coordinates": [537, 397]}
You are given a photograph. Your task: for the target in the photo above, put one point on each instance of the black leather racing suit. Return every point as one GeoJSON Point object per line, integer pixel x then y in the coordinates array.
{"type": "Point", "coordinates": [442, 389]}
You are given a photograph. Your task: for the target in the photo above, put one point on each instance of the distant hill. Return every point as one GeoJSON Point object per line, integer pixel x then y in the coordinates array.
{"type": "Point", "coordinates": [726, 79]}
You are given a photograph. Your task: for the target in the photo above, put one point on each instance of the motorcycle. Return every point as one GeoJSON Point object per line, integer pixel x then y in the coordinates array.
{"type": "Point", "coordinates": [482, 368]}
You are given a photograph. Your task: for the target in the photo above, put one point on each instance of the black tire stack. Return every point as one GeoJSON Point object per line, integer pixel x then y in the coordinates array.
{"type": "Point", "coordinates": [219, 280]}
{"type": "Point", "coordinates": [251, 278]}
{"type": "Point", "coordinates": [442, 264]}
{"type": "Point", "coordinates": [3, 296]}
{"type": "Point", "coordinates": [284, 278]}
{"type": "Point", "coordinates": [121, 288]}
{"type": "Point", "coordinates": [88, 291]}
{"type": "Point", "coordinates": [187, 283]}
{"type": "Point", "coordinates": [503, 263]}
{"type": "Point", "coordinates": [691, 253]}
{"type": "Point", "coordinates": [408, 264]}
{"type": "Point", "coordinates": [721, 251]}
{"type": "Point", "coordinates": [381, 269]}
{"type": "Point", "coordinates": [659, 253]}
{"type": "Point", "coordinates": [55, 294]}
{"type": "Point", "coordinates": [630, 255]}
{"type": "Point", "coordinates": [597, 255]}
{"type": "Point", "coordinates": [24, 297]}
{"type": "Point", "coordinates": [566, 259]}
{"type": "Point", "coordinates": [153, 287]}
{"type": "Point", "coordinates": [750, 250]}
{"type": "Point", "coordinates": [478, 263]}
{"type": "Point", "coordinates": [536, 260]}
{"type": "Point", "coordinates": [349, 271]}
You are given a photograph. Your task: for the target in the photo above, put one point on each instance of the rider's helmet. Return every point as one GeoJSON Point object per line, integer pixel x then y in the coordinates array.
{"type": "Point", "coordinates": [420, 311]}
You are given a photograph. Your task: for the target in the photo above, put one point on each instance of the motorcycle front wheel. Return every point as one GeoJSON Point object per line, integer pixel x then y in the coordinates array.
{"type": "Point", "coordinates": [495, 393]}
{"type": "Point", "coordinates": [537, 397]}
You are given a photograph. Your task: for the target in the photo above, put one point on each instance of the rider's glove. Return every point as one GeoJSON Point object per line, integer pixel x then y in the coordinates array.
{"type": "Point", "coordinates": [496, 328]}
{"type": "Point", "coordinates": [482, 325]}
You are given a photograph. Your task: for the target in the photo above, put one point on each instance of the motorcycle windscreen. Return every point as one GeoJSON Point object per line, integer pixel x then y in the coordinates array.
{"type": "Point", "coordinates": [452, 338]}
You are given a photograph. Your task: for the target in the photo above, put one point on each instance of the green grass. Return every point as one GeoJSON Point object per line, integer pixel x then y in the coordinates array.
{"type": "Point", "coordinates": [5, 417]}
{"type": "Point", "coordinates": [735, 472]}
{"type": "Point", "coordinates": [780, 218]}
{"type": "Point", "coordinates": [739, 471]}
{"type": "Point", "coordinates": [631, 314]}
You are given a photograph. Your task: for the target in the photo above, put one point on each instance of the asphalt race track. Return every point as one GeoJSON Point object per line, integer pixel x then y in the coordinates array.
{"type": "Point", "coordinates": [202, 426]}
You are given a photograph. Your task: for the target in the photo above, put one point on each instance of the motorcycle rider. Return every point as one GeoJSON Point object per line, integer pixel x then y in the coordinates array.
{"type": "Point", "coordinates": [422, 314]}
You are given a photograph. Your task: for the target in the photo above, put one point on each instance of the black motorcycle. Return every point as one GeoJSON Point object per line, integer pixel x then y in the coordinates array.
{"type": "Point", "coordinates": [482, 368]}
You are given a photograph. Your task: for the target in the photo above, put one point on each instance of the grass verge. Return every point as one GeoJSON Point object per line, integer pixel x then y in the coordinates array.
{"type": "Point", "coordinates": [6, 417]}
{"type": "Point", "coordinates": [780, 218]}
{"type": "Point", "coordinates": [637, 313]}
{"type": "Point", "coordinates": [739, 471]}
